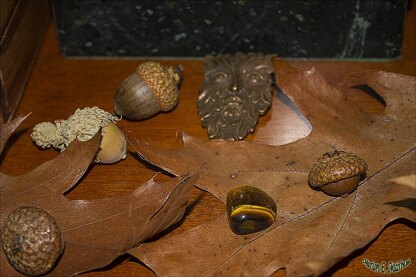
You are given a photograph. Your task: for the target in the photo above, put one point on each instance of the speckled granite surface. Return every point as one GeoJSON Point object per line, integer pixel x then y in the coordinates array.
{"type": "Point", "coordinates": [338, 29]}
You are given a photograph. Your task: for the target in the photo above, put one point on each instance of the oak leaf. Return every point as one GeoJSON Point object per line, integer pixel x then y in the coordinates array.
{"type": "Point", "coordinates": [313, 231]}
{"type": "Point", "coordinates": [98, 231]}
{"type": "Point", "coordinates": [8, 128]}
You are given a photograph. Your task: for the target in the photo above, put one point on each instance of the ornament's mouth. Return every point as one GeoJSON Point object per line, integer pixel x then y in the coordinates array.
{"type": "Point", "coordinates": [232, 111]}
{"type": "Point", "coordinates": [231, 115]}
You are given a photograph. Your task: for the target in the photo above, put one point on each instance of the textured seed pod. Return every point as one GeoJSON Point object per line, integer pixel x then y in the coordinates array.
{"type": "Point", "coordinates": [151, 89]}
{"type": "Point", "coordinates": [83, 125]}
{"type": "Point", "coordinates": [337, 173]}
{"type": "Point", "coordinates": [32, 240]}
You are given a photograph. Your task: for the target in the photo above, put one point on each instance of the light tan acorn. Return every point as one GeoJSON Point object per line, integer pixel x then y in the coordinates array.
{"type": "Point", "coordinates": [32, 241]}
{"type": "Point", "coordinates": [153, 88]}
{"type": "Point", "coordinates": [337, 173]}
{"type": "Point", "coordinates": [113, 145]}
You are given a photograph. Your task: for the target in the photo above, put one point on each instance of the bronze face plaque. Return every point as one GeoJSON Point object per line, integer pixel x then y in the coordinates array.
{"type": "Point", "coordinates": [236, 90]}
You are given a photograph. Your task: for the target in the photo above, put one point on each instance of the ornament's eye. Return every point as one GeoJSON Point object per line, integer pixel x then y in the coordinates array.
{"type": "Point", "coordinates": [219, 77]}
{"type": "Point", "coordinates": [250, 210]}
{"type": "Point", "coordinates": [255, 77]}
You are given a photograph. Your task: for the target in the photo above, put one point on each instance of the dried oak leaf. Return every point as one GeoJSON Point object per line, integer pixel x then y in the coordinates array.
{"type": "Point", "coordinates": [98, 231]}
{"type": "Point", "coordinates": [8, 128]}
{"type": "Point", "coordinates": [312, 231]}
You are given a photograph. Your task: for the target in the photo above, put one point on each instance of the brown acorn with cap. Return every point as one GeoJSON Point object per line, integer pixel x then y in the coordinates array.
{"type": "Point", "coordinates": [32, 240]}
{"type": "Point", "coordinates": [337, 173]}
{"type": "Point", "coordinates": [153, 88]}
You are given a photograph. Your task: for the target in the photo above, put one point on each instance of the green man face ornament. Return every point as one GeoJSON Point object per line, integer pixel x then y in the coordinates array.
{"type": "Point", "coordinates": [237, 89]}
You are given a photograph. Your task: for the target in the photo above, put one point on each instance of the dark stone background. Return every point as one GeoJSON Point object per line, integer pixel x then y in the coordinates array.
{"type": "Point", "coordinates": [338, 29]}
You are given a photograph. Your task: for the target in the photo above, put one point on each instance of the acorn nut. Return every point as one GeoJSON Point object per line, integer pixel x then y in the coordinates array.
{"type": "Point", "coordinates": [337, 173]}
{"type": "Point", "coordinates": [113, 145]}
{"type": "Point", "coordinates": [250, 210]}
{"type": "Point", "coordinates": [32, 240]}
{"type": "Point", "coordinates": [151, 89]}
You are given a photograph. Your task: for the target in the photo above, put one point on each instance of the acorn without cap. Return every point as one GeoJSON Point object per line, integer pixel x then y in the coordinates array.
{"type": "Point", "coordinates": [32, 240]}
{"type": "Point", "coordinates": [337, 173]}
{"type": "Point", "coordinates": [151, 89]}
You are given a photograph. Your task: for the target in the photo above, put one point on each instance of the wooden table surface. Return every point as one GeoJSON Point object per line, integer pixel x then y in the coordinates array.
{"type": "Point", "coordinates": [59, 85]}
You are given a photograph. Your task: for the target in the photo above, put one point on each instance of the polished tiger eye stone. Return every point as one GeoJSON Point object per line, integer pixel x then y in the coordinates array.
{"type": "Point", "coordinates": [250, 210]}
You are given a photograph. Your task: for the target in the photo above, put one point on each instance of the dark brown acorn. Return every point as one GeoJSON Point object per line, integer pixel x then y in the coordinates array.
{"type": "Point", "coordinates": [337, 173]}
{"type": "Point", "coordinates": [32, 240]}
{"type": "Point", "coordinates": [250, 210]}
{"type": "Point", "coordinates": [153, 88]}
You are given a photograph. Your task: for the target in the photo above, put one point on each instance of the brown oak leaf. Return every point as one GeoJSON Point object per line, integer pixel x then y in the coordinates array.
{"type": "Point", "coordinates": [98, 231]}
{"type": "Point", "coordinates": [8, 128]}
{"type": "Point", "coordinates": [313, 231]}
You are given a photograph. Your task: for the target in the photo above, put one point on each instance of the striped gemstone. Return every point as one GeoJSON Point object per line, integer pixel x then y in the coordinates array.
{"type": "Point", "coordinates": [250, 210]}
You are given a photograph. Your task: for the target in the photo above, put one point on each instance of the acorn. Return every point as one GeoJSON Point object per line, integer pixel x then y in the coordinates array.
{"type": "Point", "coordinates": [337, 173]}
{"type": "Point", "coordinates": [153, 88]}
{"type": "Point", "coordinates": [32, 241]}
{"type": "Point", "coordinates": [249, 210]}
{"type": "Point", "coordinates": [113, 145]}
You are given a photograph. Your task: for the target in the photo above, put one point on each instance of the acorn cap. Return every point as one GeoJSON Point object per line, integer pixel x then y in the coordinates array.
{"type": "Point", "coordinates": [163, 81]}
{"type": "Point", "coordinates": [32, 240]}
{"type": "Point", "coordinates": [335, 166]}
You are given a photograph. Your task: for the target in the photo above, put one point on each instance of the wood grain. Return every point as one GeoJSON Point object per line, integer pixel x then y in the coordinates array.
{"type": "Point", "coordinates": [6, 11]}
{"type": "Point", "coordinates": [58, 86]}
{"type": "Point", "coordinates": [20, 39]}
